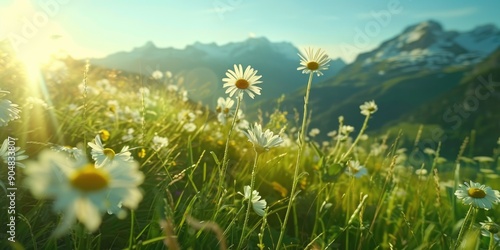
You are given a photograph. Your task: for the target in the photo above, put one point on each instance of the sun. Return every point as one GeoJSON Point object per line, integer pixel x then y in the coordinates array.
{"type": "Point", "coordinates": [34, 31]}
{"type": "Point", "coordinates": [25, 27]}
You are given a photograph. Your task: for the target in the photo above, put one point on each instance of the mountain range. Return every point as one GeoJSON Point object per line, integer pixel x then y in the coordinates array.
{"type": "Point", "coordinates": [417, 76]}
{"type": "Point", "coordinates": [204, 65]}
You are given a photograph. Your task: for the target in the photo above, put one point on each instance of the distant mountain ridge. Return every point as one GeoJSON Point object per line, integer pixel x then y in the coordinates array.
{"type": "Point", "coordinates": [204, 65]}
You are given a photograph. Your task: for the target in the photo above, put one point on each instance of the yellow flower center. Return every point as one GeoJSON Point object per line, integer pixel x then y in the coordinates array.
{"type": "Point", "coordinates": [354, 170]}
{"type": "Point", "coordinates": [218, 109]}
{"type": "Point", "coordinates": [109, 153]}
{"type": "Point", "coordinates": [313, 65]}
{"type": "Point", "coordinates": [476, 193]}
{"type": "Point", "coordinates": [142, 153]}
{"type": "Point", "coordinates": [242, 84]}
{"type": "Point", "coordinates": [89, 179]}
{"type": "Point", "coordinates": [104, 134]}
{"type": "Point", "coordinates": [226, 110]}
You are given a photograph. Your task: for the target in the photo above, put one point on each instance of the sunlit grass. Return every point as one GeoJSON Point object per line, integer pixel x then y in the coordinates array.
{"type": "Point", "coordinates": [352, 192]}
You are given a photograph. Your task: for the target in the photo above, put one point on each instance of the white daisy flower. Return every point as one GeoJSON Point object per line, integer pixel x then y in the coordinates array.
{"type": "Point", "coordinates": [314, 132]}
{"type": "Point", "coordinates": [368, 108]}
{"type": "Point", "coordinates": [483, 159]}
{"type": "Point", "coordinates": [332, 133]}
{"type": "Point", "coordinates": [157, 75]}
{"type": "Point", "coordinates": [223, 108]}
{"type": "Point", "coordinates": [5, 153]}
{"type": "Point", "coordinates": [8, 110]}
{"type": "Point", "coordinates": [262, 141]}
{"type": "Point", "coordinates": [103, 84]}
{"type": "Point", "coordinates": [313, 61]}
{"type": "Point", "coordinates": [159, 142]}
{"type": "Point", "coordinates": [258, 205]}
{"type": "Point", "coordinates": [488, 228]}
{"type": "Point", "coordinates": [421, 171]}
{"type": "Point", "coordinates": [429, 151]}
{"type": "Point", "coordinates": [355, 169]}
{"type": "Point", "coordinates": [184, 95]}
{"type": "Point", "coordinates": [224, 105]}
{"type": "Point", "coordinates": [172, 88]}
{"type": "Point", "coordinates": [241, 123]}
{"type": "Point", "coordinates": [144, 91]}
{"type": "Point", "coordinates": [477, 195]}
{"type": "Point", "coordinates": [346, 129]}
{"type": "Point", "coordinates": [242, 81]}
{"type": "Point", "coordinates": [186, 116]}
{"type": "Point", "coordinates": [103, 155]}
{"type": "Point", "coordinates": [189, 127]}
{"type": "Point", "coordinates": [80, 190]}
{"type": "Point", "coordinates": [113, 106]}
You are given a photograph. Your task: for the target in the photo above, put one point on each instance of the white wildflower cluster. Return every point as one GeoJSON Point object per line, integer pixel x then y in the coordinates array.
{"type": "Point", "coordinates": [159, 142]}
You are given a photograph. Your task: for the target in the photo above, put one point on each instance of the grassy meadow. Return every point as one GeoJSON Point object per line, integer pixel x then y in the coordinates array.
{"type": "Point", "coordinates": [124, 161]}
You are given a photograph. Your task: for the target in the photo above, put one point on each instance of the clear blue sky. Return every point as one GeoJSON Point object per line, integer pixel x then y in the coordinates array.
{"type": "Point", "coordinates": [96, 28]}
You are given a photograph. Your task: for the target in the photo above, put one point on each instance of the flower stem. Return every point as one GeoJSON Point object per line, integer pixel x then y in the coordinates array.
{"type": "Point", "coordinates": [297, 163]}
{"type": "Point", "coordinates": [465, 226]}
{"type": "Point", "coordinates": [361, 132]}
{"type": "Point", "coordinates": [492, 242]}
{"type": "Point", "coordinates": [249, 204]}
{"type": "Point", "coordinates": [224, 158]}
{"type": "Point", "coordinates": [131, 235]}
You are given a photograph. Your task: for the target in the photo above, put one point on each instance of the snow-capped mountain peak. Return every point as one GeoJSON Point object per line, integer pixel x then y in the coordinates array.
{"type": "Point", "coordinates": [428, 29]}
{"type": "Point", "coordinates": [428, 45]}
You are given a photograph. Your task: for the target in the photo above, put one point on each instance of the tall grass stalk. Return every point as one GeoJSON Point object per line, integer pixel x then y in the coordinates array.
{"type": "Point", "coordinates": [456, 176]}
{"type": "Point", "coordinates": [380, 201]}
{"type": "Point", "coordinates": [85, 101]}
{"type": "Point", "coordinates": [297, 163]}
{"type": "Point", "coordinates": [361, 132]}
{"type": "Point", "coordinates": [249, 203]}
{"type": "Point", "coordinates": [350, 221]}
{"type": "Point", "coordinates": [492, 244]}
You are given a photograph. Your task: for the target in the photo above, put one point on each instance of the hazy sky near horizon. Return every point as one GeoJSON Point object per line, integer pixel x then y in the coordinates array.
{"type": "Point", "coordinates": [94, 28]}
